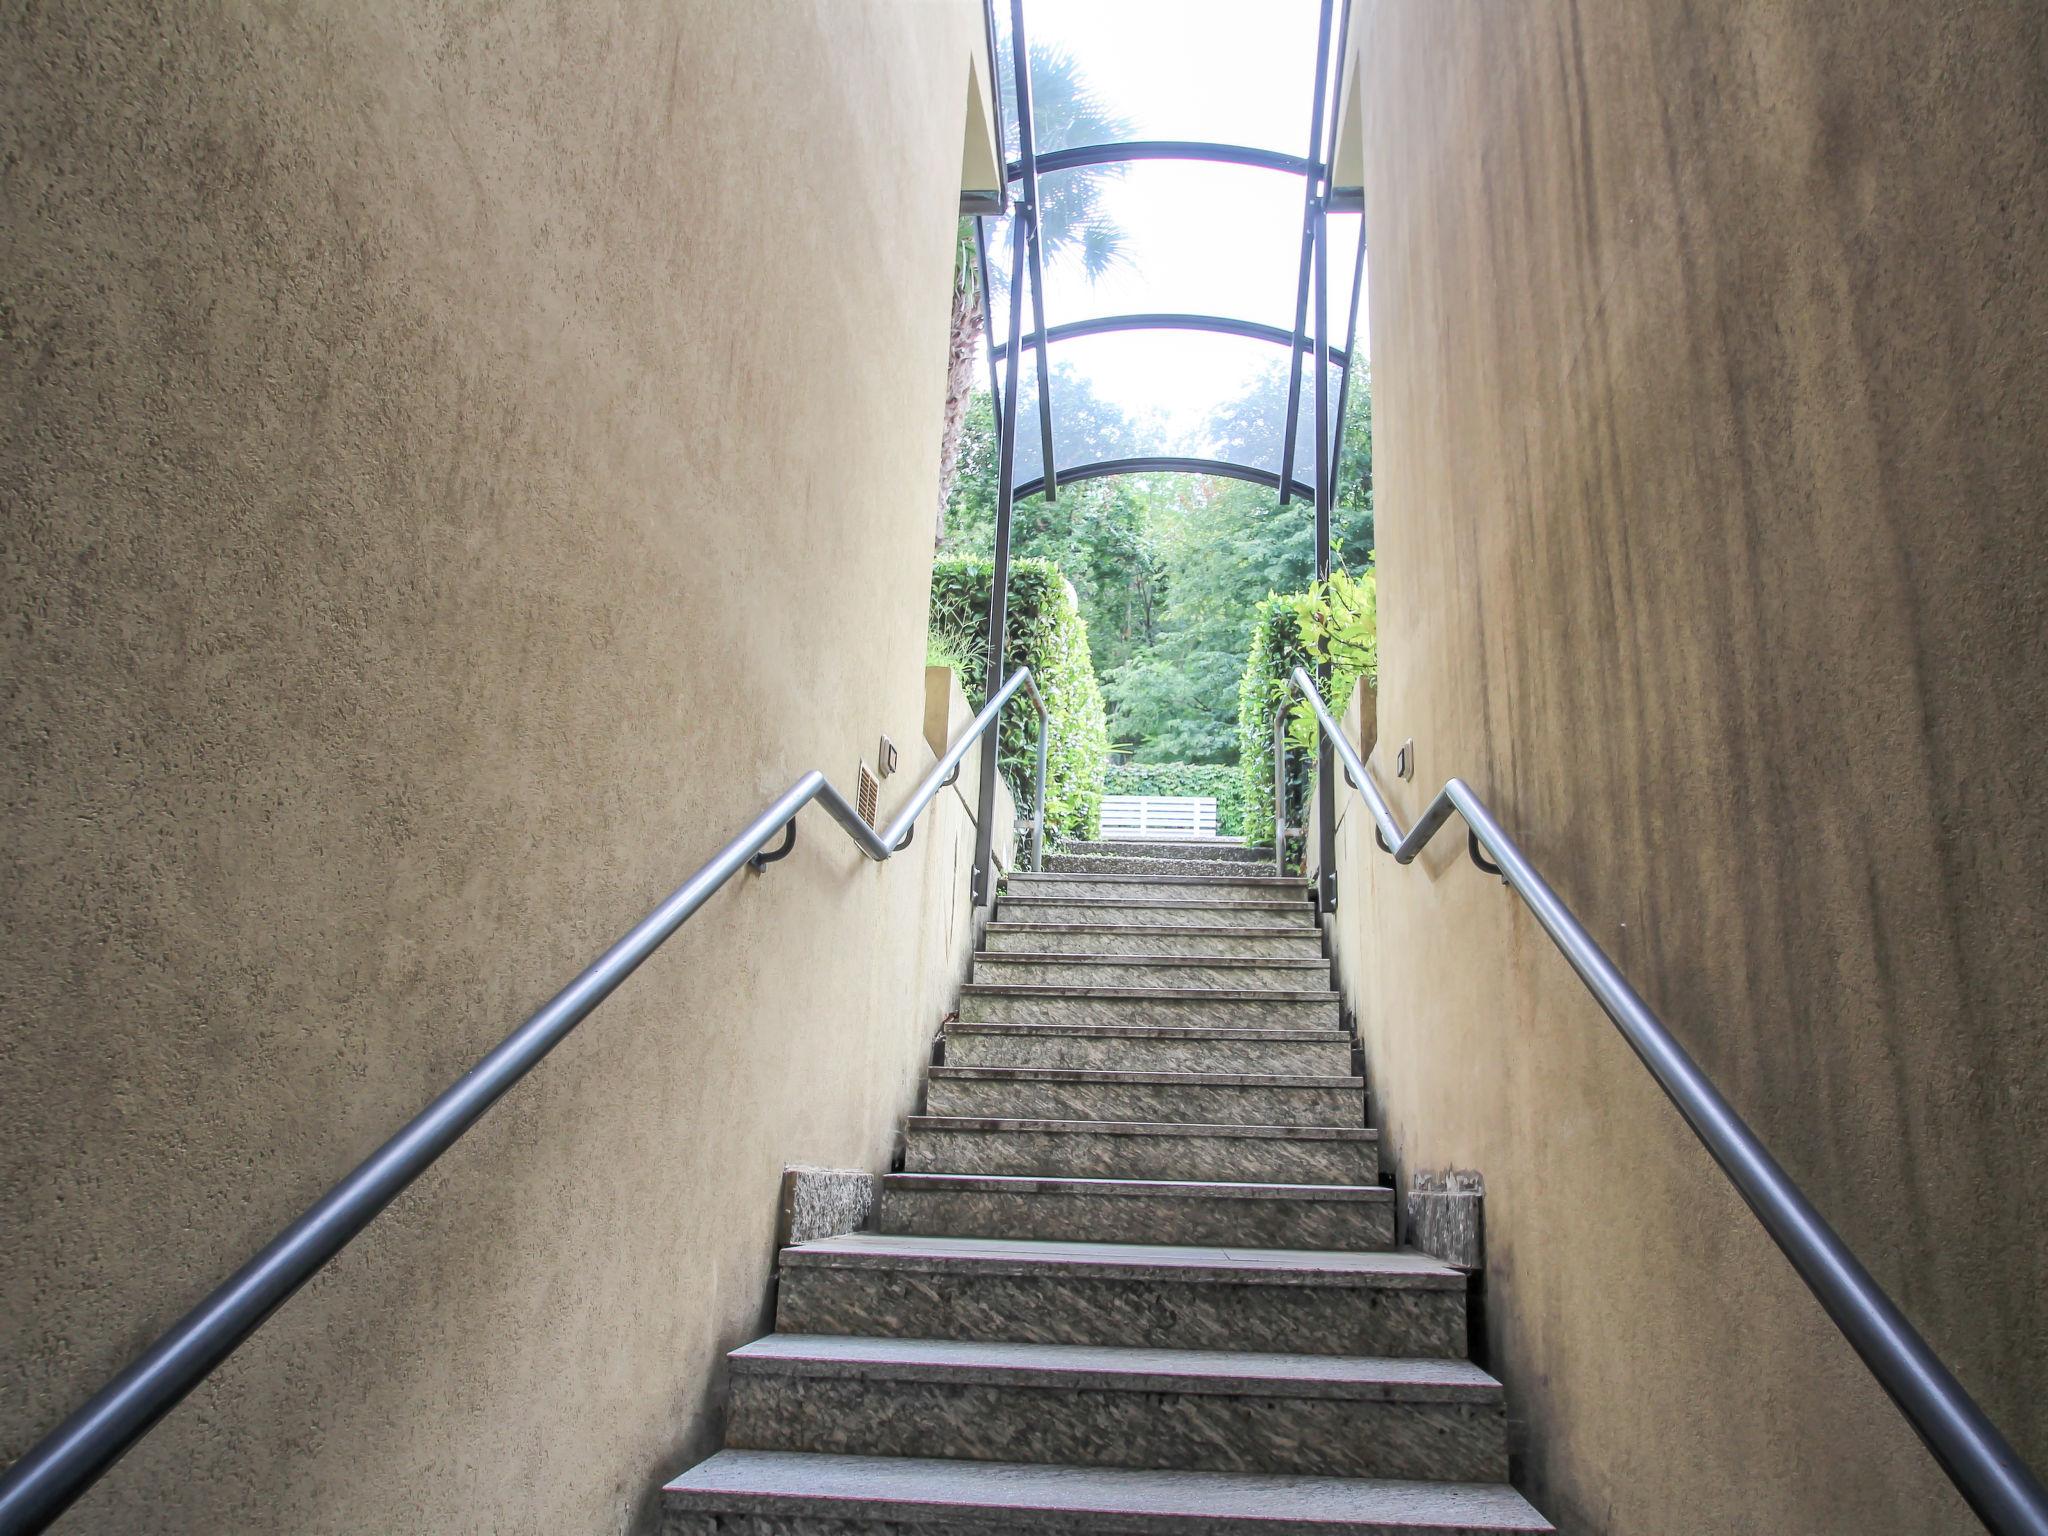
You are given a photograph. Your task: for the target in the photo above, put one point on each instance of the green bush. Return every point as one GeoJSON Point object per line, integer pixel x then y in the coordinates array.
{"type": "Point", "coordinates": [1224, 783]}
{"type": "Point", "coordinates": [1045, 633]}
{"type": "Point", "coordinates": [1334, 622]}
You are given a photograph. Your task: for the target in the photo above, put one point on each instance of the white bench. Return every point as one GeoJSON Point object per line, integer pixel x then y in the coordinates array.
{"type": "Point", "coordinates": [1158, 816]}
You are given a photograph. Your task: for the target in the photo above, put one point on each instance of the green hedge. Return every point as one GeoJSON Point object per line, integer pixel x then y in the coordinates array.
{"type": "Point", "coordinates": [1336, 623]}
{"type": "Point", "coordinates": [1224, 783]}
{"type": "Point", "coordinates": [1045, 633]}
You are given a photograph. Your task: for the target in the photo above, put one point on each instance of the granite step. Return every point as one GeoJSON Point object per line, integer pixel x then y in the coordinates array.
{"type": "Point", "coordinates": [1286, 916]}
{"type": "Point", "coordinates": [794, 1493]}
{"type": "Point", "coordinates": [1149, 1048]}
{"type": "Point", "coordinates": [1231, 849]}
{"type": "Point", "coordinates": [1064, 863]}
{"type": "Point", "coordinates": [1166, 1098]}
{"type": "Point", "coordinates": [1356, 1218]}
{"type": "Point", "coordinates": [1249, 1007]}
{"type": "Point", "coordinates": [1129, 939]}
{"type": "Point", "coordinates": [1235, 1154]}
{"type": "Point", "coordinates": [1164, 887]}
{"type": "Point", "coordinates": [1290, 974]}
{"type": "Point", "coordinates": [1395, 1303]}
{"type": "Point", "coordinates": [1168, 1409]}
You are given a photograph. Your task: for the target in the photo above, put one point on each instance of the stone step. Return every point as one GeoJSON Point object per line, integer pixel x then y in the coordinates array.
{"type": "Point", "coordinates": [791, 1493]}
{"type": "Point", "coordinates": [1308, 1008]}
{"type": "Point", "coordinates": [1146, 889]}
{"type": "Point", "coordinates": [1064, 863]}
{"type": "Point", "coordinates": [1291, 974]}
{"type": "Point", "coordinates": [1232, 849]}
{"type": "Point", "coordinates": [1148, 1048]}
{"type": "Point", "coordinates": [1167, 1098]}
{"type": "Point", "coordinates": [1130, 939]}
{"type": "Point", "coordinates": [1158, 1296]}
{"type": "Point", "coordinates": [1357, 1218]}
{"type": "Point", "coordinates": [1284, 916]}
{"type": "Point", "coordinates": [1087, 1149]}
{"type": "Point", "coordinates": [1185, 1410]}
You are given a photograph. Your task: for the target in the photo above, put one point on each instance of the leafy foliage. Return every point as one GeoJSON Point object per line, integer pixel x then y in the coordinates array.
{"type": "Point", "coordinates": [1334, 622]}
{"type": "Point", "coordinates": [1098, 532]}
{"type": "Point", "coordinates": [1219, 781]}
{"type": "Point", "coordinates": [1168, 569]}
{"type": "Point", "coordinates": [1046, 633]}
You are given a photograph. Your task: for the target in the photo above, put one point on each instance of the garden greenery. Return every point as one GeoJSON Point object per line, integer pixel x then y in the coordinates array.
{"type": "Point", "coordinates": [1333, 621]}
{"type": "Point", "coordinates": [1221, 782]}
{"type": "Point", "coordinates": [1046, 634]}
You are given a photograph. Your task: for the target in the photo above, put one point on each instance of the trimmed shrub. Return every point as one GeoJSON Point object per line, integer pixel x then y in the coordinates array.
{"type": "Point", "coordinates": [1222, 782]}
{"type": "Point", "coordinates": [1336, 622]}
{"type": "Point", "coordinates": [1046, 634]}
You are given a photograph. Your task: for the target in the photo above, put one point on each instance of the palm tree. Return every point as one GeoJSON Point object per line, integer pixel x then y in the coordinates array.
{"type": "Point", "coordinates": [1072, 222]}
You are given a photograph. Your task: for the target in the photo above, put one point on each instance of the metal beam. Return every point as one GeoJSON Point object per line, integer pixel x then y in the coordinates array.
{"type": "Point", "coordinates": [1350, 341]}
{"type": "Point", "coordinates": [999, 584]}
{"type": "Point", "coordinates": [1081, 155]}
{"type": "Point", "coordinates": [988, 316]}
{"type": "Point", "coordinates": [1308, 236]}
{"type": "Point", "coordinates": [1164, 464]}
{"type": "Point", "coordinates": [1326, 762]}
{"type": "Point", "coordinates": [1222, 325]}
{"type": "Point", "coordinates": [1020, 64]}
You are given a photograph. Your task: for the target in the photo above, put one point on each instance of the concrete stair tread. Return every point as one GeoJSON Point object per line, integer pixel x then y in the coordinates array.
{"type": "Point", "coordinates": [1166, 1079]}
{"type": "Point", "coordinates": [1393, 1269]}
{"type": "Point", "coordinates": [1149, 994]}
{"type": "Point", "coordinates": [1170, 847]}
{"type": "Point", "coordinates": [1126, 865]}
{"type": "Point", "coordinates": [1167, 903]}
{"type": "Point", "coordinates": [1052, 1500]}
{"type": "Point", "coordinates": [1023, 880]}
{"type": "Point", "coordinates": [1166, 1189]}
{"type": "Point", "coordinates": [1225, 1032]}
{"type": "Point", "coordinates": [1115, 1368]}
{"type": "Point", "coordinates": [1142, 1128]}
{"type": "Point", "coordinates": [1156, 962]}
{"type": "Point", "coordinates": [1122, 930]}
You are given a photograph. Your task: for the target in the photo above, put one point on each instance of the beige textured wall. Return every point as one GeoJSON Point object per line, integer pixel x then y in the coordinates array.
{"type": "Point", "coordinates": [458, 464]}
{"type": "Point", "coordinates": [1710, 436]}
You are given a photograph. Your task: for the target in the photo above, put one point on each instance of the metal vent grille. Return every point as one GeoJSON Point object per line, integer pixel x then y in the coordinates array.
{"type": "Point", "coordinates": [867, 795]}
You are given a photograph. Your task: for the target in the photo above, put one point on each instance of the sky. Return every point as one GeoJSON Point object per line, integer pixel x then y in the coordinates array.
{"type": "Point", "coordinates": [1208, 238]}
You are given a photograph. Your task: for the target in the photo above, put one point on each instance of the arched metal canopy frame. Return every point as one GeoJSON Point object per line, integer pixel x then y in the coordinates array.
{"type": "Point", "coordinates": [1223, 325]}
{"type": "Point", "coordinates": [1163, 464]}
{"type": "Point", "coordinates": [1026, 271]}
{"type": "Point", "coordinates": [1311, 168]}
{"type": "Point", "coordinates": [1080, 155]}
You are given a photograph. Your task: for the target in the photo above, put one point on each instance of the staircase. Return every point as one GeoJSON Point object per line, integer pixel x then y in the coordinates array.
{"type": "Point", "coordinates": [1138, 1274]}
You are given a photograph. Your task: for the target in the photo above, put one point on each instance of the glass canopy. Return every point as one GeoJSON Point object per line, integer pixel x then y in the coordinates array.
{"type": "Point", "coordinates": [1175, 182]}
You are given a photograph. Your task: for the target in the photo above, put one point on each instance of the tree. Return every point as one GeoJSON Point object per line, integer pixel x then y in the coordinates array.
{"type": "Point", "coordinates": [1072, 223]}
{"type": "Point", "coordinates": [1097, 532]}
{"type": "Point", "coordinates": [1223, 546]}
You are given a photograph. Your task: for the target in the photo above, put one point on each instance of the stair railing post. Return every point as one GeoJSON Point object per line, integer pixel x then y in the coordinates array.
{"type": "Point", "coordinates": [1326, 763]}
{"type": "Point", "coordinates": [1023, 269]}
{"type": "Point", "coordinates": [1038, 794]}
{"type": "Point", "coordinates": [1280, 790]}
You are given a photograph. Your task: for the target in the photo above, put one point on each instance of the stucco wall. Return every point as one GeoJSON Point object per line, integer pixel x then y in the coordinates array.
{"type": "Point", "coordinates": [458, 464]}
{"type": "Point", "coordinates": [1710, 448]}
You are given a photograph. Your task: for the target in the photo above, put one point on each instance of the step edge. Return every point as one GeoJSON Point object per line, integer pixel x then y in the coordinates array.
{"type": "Point", "coordinates": [1017, 1491]}
{"type": "Point", "coordinates": [1001, 1123]}
{"type": "Point", "coordinates": [1021, 1184]}
{"type": "Point", "coordinates": [1110, 1078]}
{"type": "Point", "coordinates": [1151, 994]}
{"type": "Point", "coordinates": [1088, 1367]}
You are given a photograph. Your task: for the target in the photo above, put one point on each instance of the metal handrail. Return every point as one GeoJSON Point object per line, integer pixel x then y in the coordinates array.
{"type": "Point", "coordinates": [1979, 1461]}
{"type": "Point", "coordinates": [72, 1457]}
